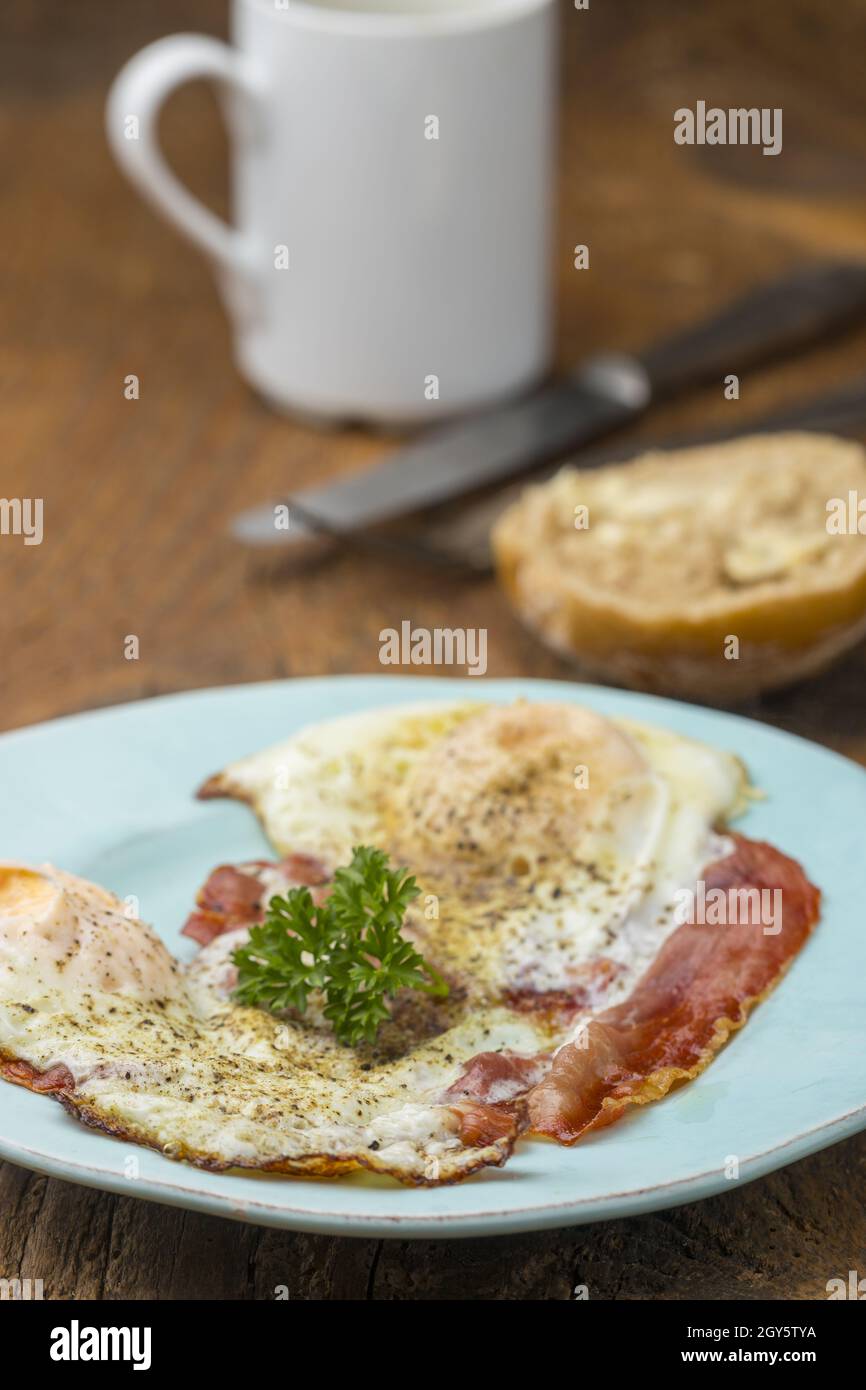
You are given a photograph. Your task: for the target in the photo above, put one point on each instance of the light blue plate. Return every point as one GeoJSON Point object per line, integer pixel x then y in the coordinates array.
{"type": "Point", "coordinates": [109, 795]}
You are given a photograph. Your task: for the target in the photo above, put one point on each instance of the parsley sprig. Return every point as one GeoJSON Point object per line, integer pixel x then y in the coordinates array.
{"type": "Point", "coordinates": [350, 947]}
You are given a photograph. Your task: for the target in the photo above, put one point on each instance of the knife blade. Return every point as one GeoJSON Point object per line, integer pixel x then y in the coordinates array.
{"type": "Point", "coordinates": [771, 321]}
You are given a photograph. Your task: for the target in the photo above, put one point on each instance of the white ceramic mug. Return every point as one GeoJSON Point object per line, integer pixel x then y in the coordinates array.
{"type": "Point", "coordinates": [391, 170]}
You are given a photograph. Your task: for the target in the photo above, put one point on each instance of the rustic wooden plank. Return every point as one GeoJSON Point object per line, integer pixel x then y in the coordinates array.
{"type": "Point", "coordinates": [782, 1237]}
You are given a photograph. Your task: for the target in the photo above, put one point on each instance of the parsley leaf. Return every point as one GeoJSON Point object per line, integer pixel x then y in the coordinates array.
{"type": "Point", "coordinates": [350, 947]}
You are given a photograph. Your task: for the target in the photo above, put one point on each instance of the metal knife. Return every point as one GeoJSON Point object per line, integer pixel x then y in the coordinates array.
{"type": "Point", "coordinates": [770, 322]}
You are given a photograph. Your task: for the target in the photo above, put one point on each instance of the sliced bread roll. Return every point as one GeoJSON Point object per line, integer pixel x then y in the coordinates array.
{"type": "Point", "coordinates": [713, 572]}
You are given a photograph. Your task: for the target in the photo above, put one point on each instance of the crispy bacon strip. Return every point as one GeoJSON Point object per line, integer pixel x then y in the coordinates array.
{"type": "Point", "coordinates": [204, 927]}
{"type": "Point", "coordinates": [479, 1124]}
{"type": "Point", "coordinates": [488, 1098]}
{"type": "Point", "coordinates": [699, 990]}
{"type": "Point", "coordinates": [496, 1077]}
{"type": "Point", "coordinates": [232, 892]}
{"type": "Point", "coordinates": [304, 869]}
{"type": "Point", "coordinates": [234, 897]}
{"type": "Point", "coordinates": [230, 898]}
{"type": "Point", "coordinates": [596, 978]}
{"type": "Point", "coordinates": [56, 1078]}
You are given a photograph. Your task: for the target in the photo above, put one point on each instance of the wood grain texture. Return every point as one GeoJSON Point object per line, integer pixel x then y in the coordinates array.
{"type": "Point", "coordinates": [138, 493]}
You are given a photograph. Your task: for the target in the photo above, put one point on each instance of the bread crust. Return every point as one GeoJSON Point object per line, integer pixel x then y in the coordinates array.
{"type": "Point", "coordinates": [674, 639]}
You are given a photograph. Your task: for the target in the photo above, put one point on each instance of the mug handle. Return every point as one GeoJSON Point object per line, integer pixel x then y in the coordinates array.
{"type": "Point", "coordinates": [139, 91]}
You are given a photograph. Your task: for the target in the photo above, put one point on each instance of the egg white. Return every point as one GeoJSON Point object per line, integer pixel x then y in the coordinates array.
{"type": "Point", "coordinates": [533, 876]}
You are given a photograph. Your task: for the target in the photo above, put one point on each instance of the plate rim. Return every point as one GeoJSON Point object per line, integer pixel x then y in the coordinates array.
{"type": "Point", "coordinates": [23, 731]}
{"type": "Point", "coordinates": [507, 1220]}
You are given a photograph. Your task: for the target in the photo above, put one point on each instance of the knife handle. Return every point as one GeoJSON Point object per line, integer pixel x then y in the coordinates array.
{"type": "Point", "coordinates": [782, 317]}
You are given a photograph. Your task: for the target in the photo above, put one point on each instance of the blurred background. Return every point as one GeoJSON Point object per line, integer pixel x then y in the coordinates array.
{"type": "Point", "coordinates": [139, 494]}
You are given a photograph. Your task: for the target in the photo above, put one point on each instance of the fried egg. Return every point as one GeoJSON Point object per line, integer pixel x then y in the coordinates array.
{"type": "Point", "coordinates": [549, 844]}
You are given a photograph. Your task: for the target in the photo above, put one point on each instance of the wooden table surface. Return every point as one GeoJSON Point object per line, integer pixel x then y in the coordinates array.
{"type": "Point", "coordinates": [138, 493]}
